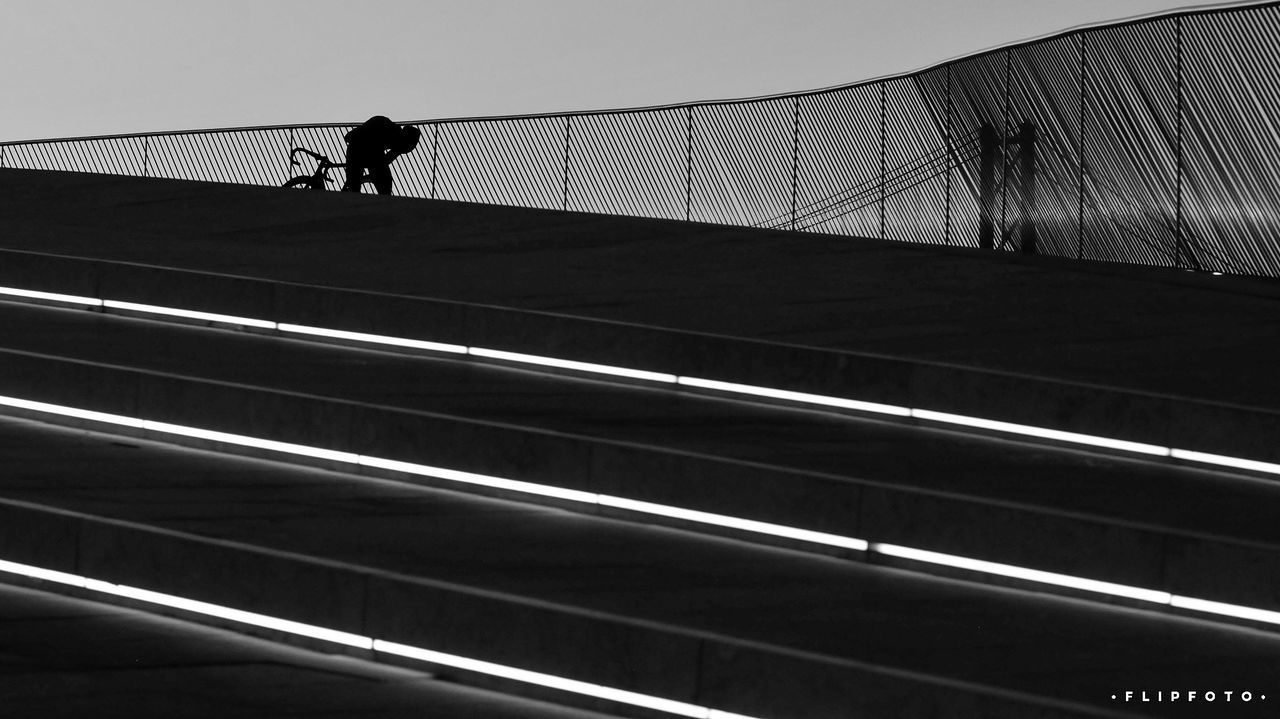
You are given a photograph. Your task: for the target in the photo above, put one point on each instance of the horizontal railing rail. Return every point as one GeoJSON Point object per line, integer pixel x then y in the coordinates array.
{"type": "Point", "coordinates": [1153, 145]}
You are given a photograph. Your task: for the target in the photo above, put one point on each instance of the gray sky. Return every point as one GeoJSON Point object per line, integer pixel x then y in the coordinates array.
{"type": "Point", "coordinates": [92, 67]}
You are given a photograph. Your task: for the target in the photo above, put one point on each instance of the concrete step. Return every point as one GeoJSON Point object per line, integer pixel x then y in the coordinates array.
{"type": "Point", "coordinates": [1150, 525]}
{"type": "Point", "coordinates": [67, 657]}
{"type": "Point", "coordinates": [718, 624]}
{"type": "Point", "coordinates": [725, 626]}
{"type": "Point", "coordinates": [1237, 425]}
{"type": "Point", "coordinates": [1146, 354]}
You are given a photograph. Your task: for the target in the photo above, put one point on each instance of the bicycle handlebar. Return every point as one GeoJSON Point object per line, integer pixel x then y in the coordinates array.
{"type": "Point", "coordinates": [293, 159]}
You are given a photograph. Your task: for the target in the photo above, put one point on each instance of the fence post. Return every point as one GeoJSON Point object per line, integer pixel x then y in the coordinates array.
{"type": "Point", "coordinates": [989, 144]}
{"type": "Point", "coordinates": [146, 150]}
{"type": "Point", "coordinates": [882, 159]}
{"type": "Point", "coordinates": [1027, 147]}
{"type": "Point", "coordinates": [1080, 160]}
{"type": "Point", "coordinates": [565, 203]}
{"type": "Point", "coordinates": [951, 149]}
{"type": "Point", "coordinates": [688, 164]}
{"type": "Point", "coordinates": [1005, 123]}
{"type": "Point", "coordinates": [435, 147]}
{"type": "Point", "coordinates": [1177, 223]}
{"type": "Point", "coordinates": [795, 160]}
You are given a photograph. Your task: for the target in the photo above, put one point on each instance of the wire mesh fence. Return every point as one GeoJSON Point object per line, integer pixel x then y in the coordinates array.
{"type": "Point", "coordinates": [1156, 142]}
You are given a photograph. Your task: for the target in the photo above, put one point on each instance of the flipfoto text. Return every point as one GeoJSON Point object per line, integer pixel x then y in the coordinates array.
{"type": "Point", "coordinates": [1188, 696]}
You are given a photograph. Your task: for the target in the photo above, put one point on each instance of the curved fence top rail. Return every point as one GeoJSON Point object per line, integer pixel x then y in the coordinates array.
{"type": "Point", "coordinates": [1148, 17]}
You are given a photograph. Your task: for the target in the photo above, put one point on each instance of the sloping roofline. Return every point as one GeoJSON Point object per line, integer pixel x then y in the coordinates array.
{"type": "Point", "coordinates": [1137, 19]}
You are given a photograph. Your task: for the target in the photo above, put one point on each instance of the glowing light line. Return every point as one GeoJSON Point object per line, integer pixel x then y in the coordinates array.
{"type": "Point", "coordinates": [1229, 610]}
{"type": "Point", "coordinates": [573, 365]}
{"type": "Point", "coordinates": [483, 480]}
{"type": "Point", "coordinates": [189, 314]}
{"type": "Point", "coordinates": [64, 411]}
{"type": "Point", "coordinates": [1041, 432]}
{"type": "Point", "coordinates": [478, 666]}
{"type": "Point", "coordinates": [1015, 572]}
{"type": "Point", "coordinates": [452, 475]}
{"type": "Point", "coordinates": [48, 575]}
{"type": "Point", "coordinates": [545, 680]}
{"type": "Point", "coordinates": [1224, 461]}
{"type": "Point", "coordinates": [51, 296]}
{"type": "Point", "coordinates": [373, 339]}
{"type": "Point", "coordinates": [227, 613]}
{"type": "Point", "coordinates": [722, 520]}
{"type": "Point", "coordinates": [688, 515]}
{"type": "Point", "coordinates": [665, 378]}
{"type": "Point", "coordinates": [246, 441]}
{"type": "Point", "coordinates": [797, 396]}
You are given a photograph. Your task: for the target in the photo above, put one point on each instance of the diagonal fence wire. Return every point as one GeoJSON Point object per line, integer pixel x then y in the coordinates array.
{"type": "Point", "coordinates": [1177, 114]}
{"type": "Point", "coordinates": [873, 190]}
{"type": "Point", "coordinates": [1106, 201]}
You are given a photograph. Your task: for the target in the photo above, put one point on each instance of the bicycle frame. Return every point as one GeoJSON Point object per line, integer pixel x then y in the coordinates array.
{"type": "Point", "coordinates": [318, 179]}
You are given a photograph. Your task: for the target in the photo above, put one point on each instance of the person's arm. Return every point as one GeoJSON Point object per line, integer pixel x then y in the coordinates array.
{"type": "Point", "coordinates": [399, 146]}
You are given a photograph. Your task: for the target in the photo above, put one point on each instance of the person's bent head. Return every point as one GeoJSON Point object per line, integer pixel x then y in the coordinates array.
{"type": "Point", "coordinates": [408, 139]}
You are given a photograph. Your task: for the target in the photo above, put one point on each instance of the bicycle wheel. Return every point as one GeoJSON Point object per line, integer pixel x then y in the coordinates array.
{"type": "Point", "coordinates": [302, 181]}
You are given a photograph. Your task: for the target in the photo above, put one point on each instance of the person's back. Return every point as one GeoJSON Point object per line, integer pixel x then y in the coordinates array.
{"type": "Point", "coordinates": [374, 145]}
{"type": "Point", "coordinates": [377, 131]}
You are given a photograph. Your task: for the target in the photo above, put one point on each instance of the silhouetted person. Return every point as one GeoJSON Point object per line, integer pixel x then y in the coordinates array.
{"type": "Point", "coordinates": [373, 146]}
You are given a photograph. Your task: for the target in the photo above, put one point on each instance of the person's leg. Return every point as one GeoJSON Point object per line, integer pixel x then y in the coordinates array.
{"type": "Point", "coordinates": [382, 180]}
{"type": "Point", "coordinates": [359, 159]}
{"type": "Point", "coordinates": [354, 174]}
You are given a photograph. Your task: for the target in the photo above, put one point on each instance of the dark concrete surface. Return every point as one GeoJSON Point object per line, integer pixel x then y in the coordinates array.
{"type": "Point", "coordinates": [1192, 389]}
{"type": "Point", "coordinates": [864, 449]}
{"type": "Point", "coordinates": [1126, 520]}
{"type": "Point", "coordinates": [688, 616]}
{"type": "Point", "coordinates": [655, 581]}
{"type": "Point", "coordinates": [65, 657]}
{"type": "Point", "coordinates": [1154, 330]}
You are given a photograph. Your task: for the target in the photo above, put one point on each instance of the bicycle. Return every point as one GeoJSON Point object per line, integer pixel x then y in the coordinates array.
{"type": "Point", "coordinates": [318, 179]}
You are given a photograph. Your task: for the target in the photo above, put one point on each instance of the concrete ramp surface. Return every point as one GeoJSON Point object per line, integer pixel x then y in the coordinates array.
{"type": "Point", "coordinates": [634, 467]}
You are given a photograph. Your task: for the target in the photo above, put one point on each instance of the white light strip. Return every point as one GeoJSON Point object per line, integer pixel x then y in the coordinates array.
{"type": "Point", "coordinates": [1228, 610]}
{"type": "Point", "coordinates": [796, 396]}
{"type": "Point", "coordinates": [374, 339]}
{"type": "Point", "coordinates": [688, 515]}
{"type": "Point", "coordinates": [58, 409]}
{"type": "Point", "coordinates": [189, 314]}
{"type": "Point", "coordinates": [169, 600]}
{"type": "Point", "coordinates": [53, 296]}
{"type": "Point", "coordinates": [1034, 575]}
{"type": "Point", "coordinates": [752, 390]}
{"type": "Point", "coordinates": [721, 520]}
{"type": "Point", "coordinates": [369, 643]}
{"type": "Point", "coordinates": [545, 680]}
{"type": "Point", "coordinates": [244, 441]}
{"type": "Point", "coordinates": [571, 365]}
{"type": "Point", "coordinates": [551, 680]}
{"type": "Point", "coordinates": [234, 615]}
{"type": "Point", "coordinates": [48, 575]}
{"type": "Point", "coordinates": [453, 475]}
{"type": "Point", "coordinates": [1028, 430]}
{"type": "Point", "coordinates": [424, 470]}
{"type": "Point", "coordinates": [1224, 461]}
